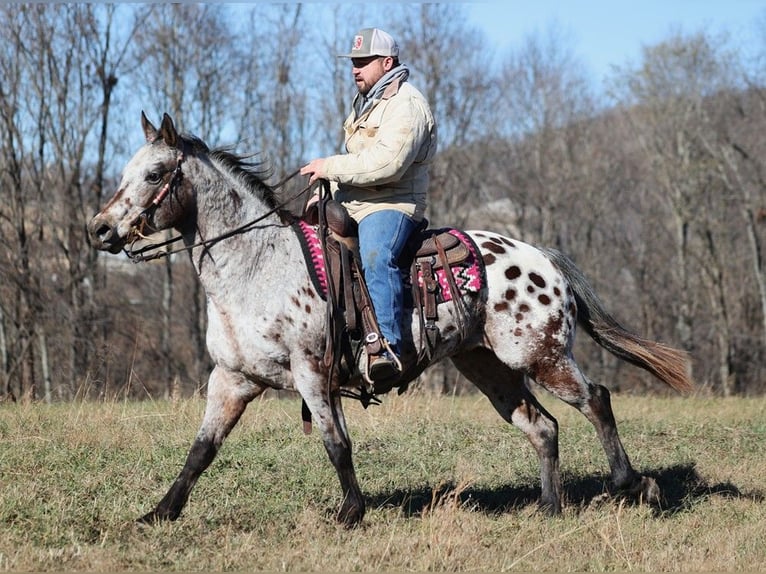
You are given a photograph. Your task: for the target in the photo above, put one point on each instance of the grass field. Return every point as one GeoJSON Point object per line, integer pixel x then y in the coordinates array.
{"type": "Point", "coordinates": [449, 487]}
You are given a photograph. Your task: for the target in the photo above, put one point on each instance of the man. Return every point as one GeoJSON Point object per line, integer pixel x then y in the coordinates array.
{"type": "Point", "coordinates": [382, 180]}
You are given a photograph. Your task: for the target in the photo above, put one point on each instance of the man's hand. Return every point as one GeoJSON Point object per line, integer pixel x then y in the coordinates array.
{"type": "Point", "coordinates": [314, 169]}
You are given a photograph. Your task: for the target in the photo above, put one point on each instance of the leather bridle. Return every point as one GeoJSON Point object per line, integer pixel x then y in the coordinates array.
{"type": "Point", "coordinates": [142, 221]}
{"type": "Point", "coordinates": [150, 252]}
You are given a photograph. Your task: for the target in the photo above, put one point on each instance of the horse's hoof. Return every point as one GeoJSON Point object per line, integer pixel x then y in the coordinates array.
{"type": "Point", "coordinates": [154, 517]}
{"type": "Point", "coordinates": [644, 491]}
{"type": "Point", "coordinates": [148, 519]}
{"type": "Point", "coordinates": [350, 516]}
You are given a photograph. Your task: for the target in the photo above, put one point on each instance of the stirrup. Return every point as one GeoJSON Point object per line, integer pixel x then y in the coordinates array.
{"type": "Point", "coordinates": [389, 367]}
{"type": "Point", "coordinates": [383, 367]}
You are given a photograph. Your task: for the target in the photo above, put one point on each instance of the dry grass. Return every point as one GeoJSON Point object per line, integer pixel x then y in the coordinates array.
{"type": "Point", "coordinates": [450, 487]}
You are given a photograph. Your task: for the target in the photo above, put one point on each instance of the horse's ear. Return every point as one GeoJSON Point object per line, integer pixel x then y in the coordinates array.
{"type": "Point", "coordinates": [168, 131]}
{"type": "Point", "coordinates": [150, 132]}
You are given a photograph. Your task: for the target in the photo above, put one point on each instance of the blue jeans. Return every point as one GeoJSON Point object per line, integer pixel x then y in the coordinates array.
{"type": "Point", "coordinates": [382, 237]}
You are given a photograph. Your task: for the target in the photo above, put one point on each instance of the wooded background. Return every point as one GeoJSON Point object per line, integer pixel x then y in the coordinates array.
{"type": "Point", "coordinates": [653, 181]}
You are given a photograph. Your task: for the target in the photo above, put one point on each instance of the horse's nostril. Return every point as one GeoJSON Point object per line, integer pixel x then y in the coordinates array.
{"type": "Point", "coordinates": [103, 231]}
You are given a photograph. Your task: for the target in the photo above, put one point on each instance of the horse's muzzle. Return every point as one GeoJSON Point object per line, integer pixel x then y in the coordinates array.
{"type": "Point", "coordinates": [104, 236]}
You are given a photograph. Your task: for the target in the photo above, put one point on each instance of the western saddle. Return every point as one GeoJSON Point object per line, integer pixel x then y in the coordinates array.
{"type": "Point", "coordinates": [351, 317]}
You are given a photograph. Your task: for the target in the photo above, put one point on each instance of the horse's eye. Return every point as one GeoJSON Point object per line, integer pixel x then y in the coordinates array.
{"type": "Point", "coordinates": [153, 177]}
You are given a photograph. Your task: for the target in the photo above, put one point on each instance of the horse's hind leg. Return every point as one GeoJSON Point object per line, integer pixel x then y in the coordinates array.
{"type": "Point", "coordinates": [565, 380]}
{"type": "Point", "coordinates": [327, 412]}
{"type": "Point", "coordinates": [508, 393]}
{"type": "Point", "coordinates": [228, 395]}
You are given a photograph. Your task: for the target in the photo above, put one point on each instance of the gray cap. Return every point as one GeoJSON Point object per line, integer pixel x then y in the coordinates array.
{"type": "Point", "coordinates": [372, 42]}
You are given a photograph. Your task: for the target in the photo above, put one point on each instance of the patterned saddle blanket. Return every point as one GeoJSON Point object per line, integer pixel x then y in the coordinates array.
{"type": "Point", "coordinates": [468, 271]}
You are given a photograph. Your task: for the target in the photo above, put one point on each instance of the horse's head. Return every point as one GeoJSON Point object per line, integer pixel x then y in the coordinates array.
{"type": "Point", "coordinates": [152, 195]}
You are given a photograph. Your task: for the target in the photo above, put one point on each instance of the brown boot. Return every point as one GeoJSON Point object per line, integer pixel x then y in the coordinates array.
{"type": "Point", "coordinates": [384, 367]}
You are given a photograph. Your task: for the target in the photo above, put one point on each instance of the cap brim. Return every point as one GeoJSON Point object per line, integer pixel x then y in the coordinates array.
{"type": "Point", "coordinates": [356, 55]}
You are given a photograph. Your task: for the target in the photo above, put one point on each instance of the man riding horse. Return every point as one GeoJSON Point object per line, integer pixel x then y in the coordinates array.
{"type": "Point", "coordinates": [382, 180]}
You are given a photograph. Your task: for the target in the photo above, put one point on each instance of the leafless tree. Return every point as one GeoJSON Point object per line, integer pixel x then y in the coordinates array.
{"type": "Point", "coordinates": [546, 103]}
{"type": "Point", "coordinates": [658, 196]}
{"type": "Point", "coordinates": [672, 111]}
{"type": "Point", "coordinates": [273, 104]}
{"type": "Point", "coordinates": [182, 68]}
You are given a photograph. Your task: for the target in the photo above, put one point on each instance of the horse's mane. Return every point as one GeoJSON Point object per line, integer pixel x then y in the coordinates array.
{"type": "Point", "coordinates": [252, 169]}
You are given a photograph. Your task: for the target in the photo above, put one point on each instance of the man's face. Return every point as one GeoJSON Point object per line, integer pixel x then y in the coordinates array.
{"type": "Point", "coordinates": [367, 71]}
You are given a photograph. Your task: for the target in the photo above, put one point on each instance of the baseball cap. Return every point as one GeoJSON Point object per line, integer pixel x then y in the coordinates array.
{"type": "Point", "coordinates": [372, 42]}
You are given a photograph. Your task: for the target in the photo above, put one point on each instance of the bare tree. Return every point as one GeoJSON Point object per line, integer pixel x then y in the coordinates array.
{"type": "Point", "coordinates": [273, 102]}
{"type": "Point", "coordinates": [658, 197]}
{"type": "Point", "coordinates": [674, 99]}
{"type": "Point", "coordinates": [546, 103]}
{"type": "Point", "coordinates": [444, 53]}
{"type": "Point", "coordinates": [14, 218]}
{"type": "Point", "coordinates": [53, 55]}
{"type": "Point", "coordinates": [183, 68]}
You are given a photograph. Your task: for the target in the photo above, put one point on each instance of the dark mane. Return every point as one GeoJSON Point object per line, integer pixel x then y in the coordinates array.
{"type": "Point", "coordinates": [252, 169]}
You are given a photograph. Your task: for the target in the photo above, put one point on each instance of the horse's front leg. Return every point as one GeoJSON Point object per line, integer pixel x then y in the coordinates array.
{"type": "Point", "coordinates": [228, 395]}
{"type": "Point", "coordinates": [327, 412]}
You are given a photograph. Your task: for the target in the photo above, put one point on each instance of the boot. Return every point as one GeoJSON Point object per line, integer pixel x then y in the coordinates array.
{"type": "Point", "coordinates": [384, 366]}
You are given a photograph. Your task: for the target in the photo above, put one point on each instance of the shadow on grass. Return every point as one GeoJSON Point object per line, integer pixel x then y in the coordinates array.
{"type": "Point", "coordinates": [681, 486]}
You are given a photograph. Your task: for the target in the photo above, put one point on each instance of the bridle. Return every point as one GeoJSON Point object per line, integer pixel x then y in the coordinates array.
{"type": "Point", "coordinates": [153, 251]}
{"type": "Point", "coordinates": [169, 188]}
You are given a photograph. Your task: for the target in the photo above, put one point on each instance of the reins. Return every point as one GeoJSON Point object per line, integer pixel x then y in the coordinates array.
{"type": "Point", "coordinates": [140, 255]}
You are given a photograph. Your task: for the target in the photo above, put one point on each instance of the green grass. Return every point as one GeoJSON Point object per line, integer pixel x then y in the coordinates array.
{"type": "Point", "coordinates": [449, 487]}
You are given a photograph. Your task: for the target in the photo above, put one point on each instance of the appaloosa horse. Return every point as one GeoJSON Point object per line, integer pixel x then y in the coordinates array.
{"type": "Point", "coordinates": [267, 320]}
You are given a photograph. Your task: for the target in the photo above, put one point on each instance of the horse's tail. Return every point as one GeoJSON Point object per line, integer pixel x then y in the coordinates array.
{"type": "Point", "coordinates": [668, 364]}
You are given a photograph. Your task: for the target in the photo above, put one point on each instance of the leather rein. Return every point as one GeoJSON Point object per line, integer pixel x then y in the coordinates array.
{"type": "Point", "coordinates": [152, 251]}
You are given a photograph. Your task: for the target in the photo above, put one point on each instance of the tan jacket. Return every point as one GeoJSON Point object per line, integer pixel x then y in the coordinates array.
{"type": "Point", "coordinates": [389, 150]}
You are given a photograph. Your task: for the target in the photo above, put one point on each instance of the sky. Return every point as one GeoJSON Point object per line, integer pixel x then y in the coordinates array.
{"type": "Point", "coordinates": [603, 33]}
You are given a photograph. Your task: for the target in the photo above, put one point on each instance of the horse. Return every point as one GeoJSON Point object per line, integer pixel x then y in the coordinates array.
{"type": "Point", "coordinates": [267, 321]}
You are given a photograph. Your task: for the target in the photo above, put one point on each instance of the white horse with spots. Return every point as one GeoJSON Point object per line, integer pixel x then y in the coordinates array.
{"type": "Point", "coordinates": [267, 322]}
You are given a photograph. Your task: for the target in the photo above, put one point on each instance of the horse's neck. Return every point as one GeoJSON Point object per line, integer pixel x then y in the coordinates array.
{"type": "Point", "coordinates": [224, 204]}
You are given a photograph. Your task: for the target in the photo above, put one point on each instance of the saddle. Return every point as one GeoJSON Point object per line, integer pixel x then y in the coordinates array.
{"type": "Point", "coordinates": [351, 318]}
